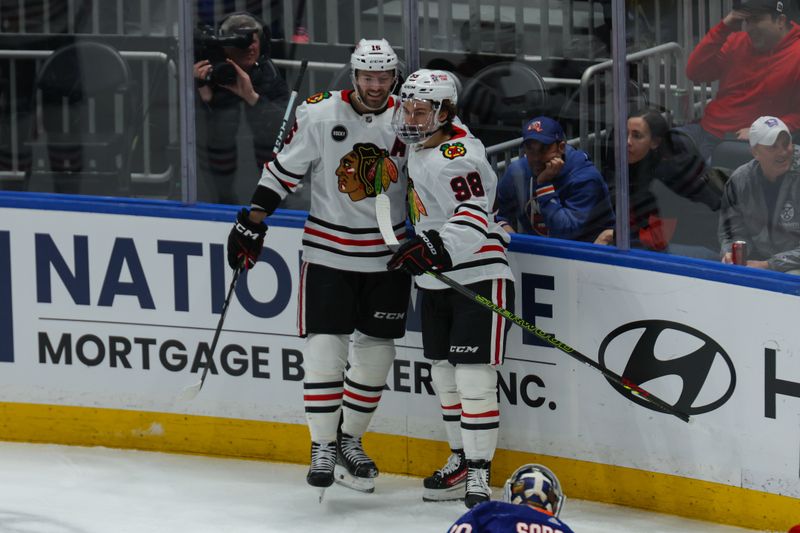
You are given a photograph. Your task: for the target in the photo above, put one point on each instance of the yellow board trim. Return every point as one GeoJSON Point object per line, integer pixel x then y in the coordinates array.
{"type": "Point", "coordinates": [165, 432]}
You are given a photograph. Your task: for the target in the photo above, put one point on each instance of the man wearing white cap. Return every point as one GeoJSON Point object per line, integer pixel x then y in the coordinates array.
{"type": "Point", "coordinates": [761, 203]}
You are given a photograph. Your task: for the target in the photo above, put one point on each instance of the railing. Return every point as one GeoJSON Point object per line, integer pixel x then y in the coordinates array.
{"type": "Point", "coordinates": [545, 28]}
{"type": "Point", "coordinates": [293, 66]}
{"type": "Point", "coordinates": [508, 27]}
{"type": "Point", "coordinates": [663, 65]}
{"type": "Point", "coordinates": [96, 17]}
{"type": "Point", "coordinates": [696, 19]}
{"type": "Point", "coordinates": [658, 74]}
{"type": "Point", "coordinates": [146, 172]}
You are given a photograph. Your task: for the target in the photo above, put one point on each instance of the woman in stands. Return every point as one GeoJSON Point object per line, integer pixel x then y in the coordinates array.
{"type": "Point", "coordinates": [658, 157]}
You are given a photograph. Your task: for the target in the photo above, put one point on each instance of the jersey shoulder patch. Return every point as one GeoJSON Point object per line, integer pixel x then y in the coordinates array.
{"type": "Point", "coordinates": [319, 97]}
{"type": "Point", "coordinates": [452, 150]}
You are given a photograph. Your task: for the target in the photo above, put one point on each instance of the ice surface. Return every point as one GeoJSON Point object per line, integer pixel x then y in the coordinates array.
{"type": "Point", "coordinates": [64, 489]}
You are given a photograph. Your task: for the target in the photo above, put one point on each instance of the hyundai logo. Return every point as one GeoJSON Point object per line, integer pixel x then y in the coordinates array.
{"type": "Point", "coordinates": [652, 349]}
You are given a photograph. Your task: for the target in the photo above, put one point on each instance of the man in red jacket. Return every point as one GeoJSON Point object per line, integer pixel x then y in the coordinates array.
{"type": "Point", "coordinates": [754, 53]}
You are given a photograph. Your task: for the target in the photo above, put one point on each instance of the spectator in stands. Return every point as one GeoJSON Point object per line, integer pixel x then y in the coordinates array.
{"type": "Point", "coordinates": [754, 53]}
{"type": "Point", "coordinates": [255, 85]}
{"type": "Point", "coordinates": [554, 190]}
{"type": "Point", "coordinates": [761, 203]}
{"type": "Point", "coordinates": [655, 154]}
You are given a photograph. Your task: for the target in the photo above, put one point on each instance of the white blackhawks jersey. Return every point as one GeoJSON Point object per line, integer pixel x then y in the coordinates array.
{"type": "Point", "coordinates": [451, 190]}
{"type": "Point", "coordinates": [352, 158]}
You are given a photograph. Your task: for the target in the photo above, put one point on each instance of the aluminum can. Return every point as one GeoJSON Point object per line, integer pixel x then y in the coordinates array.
{"type": "Point", "coordinates": [739, 252]}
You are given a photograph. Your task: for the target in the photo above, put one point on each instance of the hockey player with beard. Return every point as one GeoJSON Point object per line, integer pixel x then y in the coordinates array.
{"type": "Point", "coordinates": [533, 501]}
{"type": "Point", "coordinates": [451, 193]}
{"type": "Point", "coordinates": [344, 140]}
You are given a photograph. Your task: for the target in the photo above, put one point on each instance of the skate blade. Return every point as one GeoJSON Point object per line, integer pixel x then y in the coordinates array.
{"type": "Point", "coordinates": [346, 479]}
{"type": "Point", "coordinates": [321, 493]}
{"type": "Point", "coordinates": [453, 494]}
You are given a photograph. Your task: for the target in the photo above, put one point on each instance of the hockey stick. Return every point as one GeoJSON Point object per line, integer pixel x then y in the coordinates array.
{"type": "Point", "coordinates": [289, 108]}
{"type": "Point", "coordinates": [191, 391]}
{"type": "Point", "coordinates": [383, 214]}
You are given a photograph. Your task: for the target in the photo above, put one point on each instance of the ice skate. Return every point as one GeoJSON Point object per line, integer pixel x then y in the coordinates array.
{"type": "Point", "coordinates": [478, 489]}
{"type": "Point", "coordinates": [323, 460]}
{"type": "Point", "coordinates": [354, 469]}
{"type": "Point", "coordinates": [447, 483]}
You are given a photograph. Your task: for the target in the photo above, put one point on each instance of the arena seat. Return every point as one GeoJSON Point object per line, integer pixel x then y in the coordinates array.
{"type": "Point", "coordinates": [88, 103]}
{"type": "Point", "coordinates": [730, 155]}
{"type": "Point", "coordinates": [498, 100]}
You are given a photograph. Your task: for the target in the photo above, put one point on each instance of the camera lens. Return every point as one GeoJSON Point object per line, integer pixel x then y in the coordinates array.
{"type": "Point", "coordinates": [223, 74]}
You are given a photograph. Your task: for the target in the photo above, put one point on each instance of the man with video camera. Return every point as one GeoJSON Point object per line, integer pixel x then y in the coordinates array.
{"type": "Point", "coordinates": [233, 73]}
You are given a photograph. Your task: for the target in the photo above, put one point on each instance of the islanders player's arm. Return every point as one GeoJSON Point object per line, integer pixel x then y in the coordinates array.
{"type": "Point", "coordinates": [281, 176]}
{"type": "Point", "coordinates": [466, 523]}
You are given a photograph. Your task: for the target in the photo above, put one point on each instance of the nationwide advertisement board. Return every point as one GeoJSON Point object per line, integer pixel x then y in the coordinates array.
{"type": "Point", "coordinates": [116, 311]}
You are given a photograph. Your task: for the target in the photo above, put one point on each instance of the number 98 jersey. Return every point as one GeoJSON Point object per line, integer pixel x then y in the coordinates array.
{"type": "Point", "coordinates": [451, 190]}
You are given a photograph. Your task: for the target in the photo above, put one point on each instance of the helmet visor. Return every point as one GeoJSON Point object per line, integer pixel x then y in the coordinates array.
{"type": "Point", "coordinates": [414, 121]}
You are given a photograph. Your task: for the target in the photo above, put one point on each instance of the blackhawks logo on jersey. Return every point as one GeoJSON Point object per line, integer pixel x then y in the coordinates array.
{"type": "Point", "coordinates": [415, 206]}
{"type": "Point", "coordinates": [317, 98]}
{"type": "Point", "coordinates": [366, 171]}
{"type": "Point", "coordinates": [451, 151]}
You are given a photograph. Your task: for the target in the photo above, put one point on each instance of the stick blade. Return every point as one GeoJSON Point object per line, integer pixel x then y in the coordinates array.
{"type": "Point", "coordinates": [190, 393]}
{"type": "Point", "coordinates": [383, 214]}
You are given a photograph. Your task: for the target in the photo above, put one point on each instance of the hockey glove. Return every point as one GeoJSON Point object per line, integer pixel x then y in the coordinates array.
{"type": "Point", "coordinates": [423, 253]}
{"type": "Point", "coordinates": [245, 241]}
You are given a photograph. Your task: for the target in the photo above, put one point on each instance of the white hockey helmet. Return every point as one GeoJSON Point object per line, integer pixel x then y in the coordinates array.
{"type": "Point", "coordinates": [375, 55]}
{"type": "Point", "coordinates": [433, 86]}
{"type": "Point", "coordinates": [536, 485]}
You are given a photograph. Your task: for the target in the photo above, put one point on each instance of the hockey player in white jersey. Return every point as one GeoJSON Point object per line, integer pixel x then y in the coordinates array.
{"type": "Point", "coordinates": [451, 193]}
{"type": "Point", "coordinates": [344, 140]}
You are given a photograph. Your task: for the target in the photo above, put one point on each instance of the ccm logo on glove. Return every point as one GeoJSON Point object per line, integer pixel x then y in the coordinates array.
{"type": "Point", "coordinates": [244, 232]}
{"type": "Point", "coordinates": [245, 241]}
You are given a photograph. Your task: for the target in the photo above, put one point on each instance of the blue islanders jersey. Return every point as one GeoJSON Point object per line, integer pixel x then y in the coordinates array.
{"type": "Point", "coordinates": [503, 517]}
